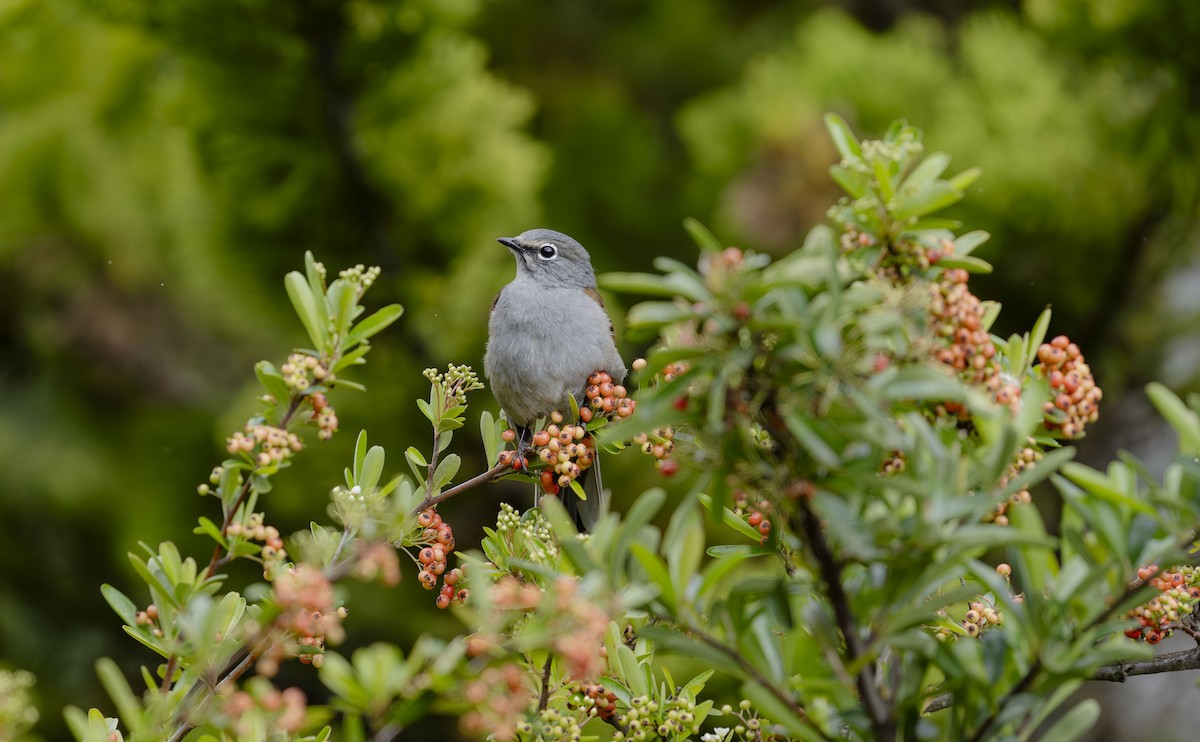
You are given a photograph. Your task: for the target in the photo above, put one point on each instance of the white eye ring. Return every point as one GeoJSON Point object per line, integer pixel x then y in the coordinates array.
{"type": "Point", "coordinates": [547, 252]}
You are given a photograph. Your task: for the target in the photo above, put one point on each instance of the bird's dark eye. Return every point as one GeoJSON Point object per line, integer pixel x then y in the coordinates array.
{"type": "Point", "coordinates": [547, 252]}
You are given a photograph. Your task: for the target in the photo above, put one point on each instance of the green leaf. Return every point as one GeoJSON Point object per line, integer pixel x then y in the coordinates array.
{"type": "Point", "coordinates": [447, 468]}
{"type": "Point", "coordinates": [360, 454]}
{"type": "Point", "coordinates": [965, 179]}
{"type": "Point", "coordinates": [729, 518]}
{"type": "Point", "coordinates": [657, 572]}
{"type": "Point", "coordinates": [1100, 485]}
{"type": "Point", "coordinates": [683, 546]}
{"type": "Point", "coordinates": [1075, 723]}
{"type": "Point", "coordinates": [307, 309]}
{"type": "Point", "coordinates": [965, 244]}
{"type": "Point", "coordinates": [1184, 420]}
{"type": "Point", "coordinates": [417, 462]}
{"type": "Point", "coordinates": [372, 469]}
{"type": "Point", "coordinates": [208, 527]}
{"type": "Point", "coordinates": [272, 381]}
{"type": "Point", "coordinates": [489, 433]}
{"type": "Point", "coordinates": [969, 263]}
{"type": "Point", "coordinates": [812, 442]}
{"type": "Point", "coordinates": [121, 605]}
{"type": "Point", "coordinates": [373, 324]}
{"type": "Point", "coordinates": [703, 238]}
{"type": "Point", "coordinates": [129, 710]}
{"type": "Point", "coordinates": [933, 197]}
{"type": "Point", "coordinates": [340, 303]}
{"type": "Point", "coordinates": [843, 138]}
{"type": "Point", "coordinates": [852, 182]}
{"type": "Point", "coordinates": [928, 170]}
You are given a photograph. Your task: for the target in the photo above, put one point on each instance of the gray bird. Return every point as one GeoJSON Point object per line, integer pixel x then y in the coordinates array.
{"type": "Point", "coordinates": [548, 331]}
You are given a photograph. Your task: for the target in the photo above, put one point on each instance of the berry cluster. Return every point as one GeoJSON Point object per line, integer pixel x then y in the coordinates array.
{"type": "Point", "coordinates": [17, 710]}
{"type": "Point", "coordinates": [598, 700]}
{"type": "Point", "coordinates": [287, 709]}
{"type": "Point", "coordinates": [149, 619]}
{"type": "Point", "coordinates": [1077, 398]}
{"type": "Point", "coordinates": [532, 530]}
{"type": "Point", "coordinates": [1026, 458]}
{"type": "Point", "coordinates": [1180, 592]}
{"type": "Point", "coordinates": [323, 415]}
{"type": "Point", "coordinates": [660, 444]}
{"type": "Point", "coordinates": [567, 452]}
{"type": "Point", "coordinates": [957, 317]}
{"type": "Point", "coordinates": [756, 514]}
{"type": "Point", "coordinates": [359, 274]}
{"type": "Point", "coordinates": [437, 541]}
{"type": "Point", "coordinates": [673, 718]}
{"type": "Point", "coordinates": [605, 398]}
{"type": "Point", "coordinates": [499, 700]}
{"type": "Point", "coordinates": [301, 370]}
{"type": "Point", "coordinates": [308, 611]}
{"type": "Point", "coordinates": [274, 445]}
{"type": "Point", "coordinates": [254, 529]}
{"type": "Point", "coordinates": [378, 561]}
{"type": "Point", "coordinates": [550, 724]}
{"type": "Point", "coordinates": [455, 383]}
{"type": "Point", "coordinates": [750, 727]}
{"type": "Point", "coordinates": [893, 464]}
{"type": "Point", "coordinates": [979, 616]}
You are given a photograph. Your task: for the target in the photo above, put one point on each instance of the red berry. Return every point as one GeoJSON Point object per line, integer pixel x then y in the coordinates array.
{"type": "Point", "coordinates": [668, 467]}
{"type": "Point", "coordinates": [755, 519]}
{"type": "Point", "coordinates": [509, 435]}
{"type": "Point", "coordinates": [443, 601]}
{"type": "Point", "coordinates": [541, 438]}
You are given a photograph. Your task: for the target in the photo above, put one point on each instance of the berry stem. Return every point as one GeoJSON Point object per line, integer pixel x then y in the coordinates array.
{"type": "Point", "coordinates": [544, 698]}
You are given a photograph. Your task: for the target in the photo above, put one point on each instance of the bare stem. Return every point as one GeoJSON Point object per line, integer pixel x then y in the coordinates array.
{"type": "Point", "coordinates": [544, 698]}
{"type": "Point", "coordinates": [749, 668]}
{"type": "Point", "coordinates": [878, 711]}
{"type": "Point", "coordinates": [491, 474]}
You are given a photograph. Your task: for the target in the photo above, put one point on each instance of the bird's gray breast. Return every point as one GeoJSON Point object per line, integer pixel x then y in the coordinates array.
{"type": "Point", "coordinates": [542, 345]}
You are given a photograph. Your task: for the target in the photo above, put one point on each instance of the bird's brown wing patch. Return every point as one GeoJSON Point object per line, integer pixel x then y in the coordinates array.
{"type": "Point", "coordinates": [495, 302]}
{"type": "Point", "coordinates": [595, 296]}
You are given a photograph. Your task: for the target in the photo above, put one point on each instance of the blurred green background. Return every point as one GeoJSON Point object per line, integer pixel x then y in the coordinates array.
{"type": "Point", "coordinates": [163, 164]}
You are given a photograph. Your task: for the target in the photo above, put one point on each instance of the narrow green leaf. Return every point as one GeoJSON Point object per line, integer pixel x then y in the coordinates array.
{"type": "Point", "coordinates": [360, 454]}
{"type": "Point", "coordinates": [211, 529]}
{"type": "Point", "coordinates": [928, 170]}
{"type": "Point", "coordinates": [657, 572]}
{"type": "Point", "coordinates": [965, 244]}
{"type": "Point", "coordinates": [933, 197]}
{"type": "Point", "coordinates": [965, 179]}
{"type": "Point", "coordinates": [843, 138]}
{"type": "Point", "coordinates": [372, 469]}
{"type": "Point", "coordinates": [729, 518]}
{"type": "Point", "coordinates": [852, 182]}
{"type": "Point", "coordinates": [969, 263]}
{"type": "Point", "coordinates": [373, 324]}
{"type": "Point", "coordinates": [272, 381]}
{"type": "Point", "coordinates": [447, 468]}
{"type": "Point", "coordinates": [1184, 420]}
{"type": "Point", "coordinates": [307, 309]}
{"type": "Point", "coordinates": [703, 238]}
{"type": "Point", "coordinates": [129, 710]}
{"type": "Point", "coordinates": [1075, 723]}
{"type": "Point", "coordinates": [121, 605]}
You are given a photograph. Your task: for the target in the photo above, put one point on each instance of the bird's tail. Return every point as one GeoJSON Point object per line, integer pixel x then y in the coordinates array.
{"type": "Point", "coordinates": [587, 513]}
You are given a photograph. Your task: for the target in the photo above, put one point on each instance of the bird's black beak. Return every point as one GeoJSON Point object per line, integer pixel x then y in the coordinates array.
{"type": "Point", "coordinates": [510, 242]}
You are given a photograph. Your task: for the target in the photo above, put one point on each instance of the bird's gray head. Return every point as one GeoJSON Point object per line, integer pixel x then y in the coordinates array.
{"type": "Point", "coordinates": [551, 258]}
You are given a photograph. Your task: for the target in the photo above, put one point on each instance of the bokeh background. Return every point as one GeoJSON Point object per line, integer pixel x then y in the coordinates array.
{"type": "Point", "coordinates": [163, 164]}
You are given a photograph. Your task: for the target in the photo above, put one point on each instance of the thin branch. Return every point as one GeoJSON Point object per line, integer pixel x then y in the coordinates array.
{"type": "Point", "coordinates": [544, 698]}
{"type": "Point", "coordinates": [750, 669]}
{"type": "Point", "coordinates": [168, 673]}
{"type": "Point", "coordinates": [882, 724]}
{"type": "Point", "coordinates": [1188, 659]}
{"type": "Point", "coordinates": [491, 474]}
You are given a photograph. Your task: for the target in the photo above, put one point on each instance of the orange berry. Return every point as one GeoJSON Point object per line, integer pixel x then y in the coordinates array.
{"type": "Point", "coordinates": [509, 435]}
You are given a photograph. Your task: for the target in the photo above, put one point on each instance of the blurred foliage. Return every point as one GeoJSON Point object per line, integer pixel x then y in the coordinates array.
{"type": "Point", "coordinates": [161, 164]}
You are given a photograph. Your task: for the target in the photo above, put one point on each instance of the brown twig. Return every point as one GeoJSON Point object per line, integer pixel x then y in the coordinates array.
{"type": "Point", "coordinates": [544, 698]}
{"type": "Point", "coordinates": [1188, 659]}
{"type": "Point", "coordinates": [882, 723]}
{"type": "Point", "coordinates": [491, 474]}
{"type": "Point", "coordinates": [751, 671]}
